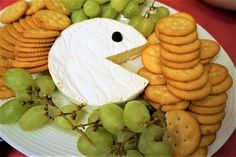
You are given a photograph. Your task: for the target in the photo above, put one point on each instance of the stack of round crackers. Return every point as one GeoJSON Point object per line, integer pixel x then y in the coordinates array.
{"type": "Point", "coordinates": [181, 78]}
{"type": "Point", "coordinates": [29, 32]}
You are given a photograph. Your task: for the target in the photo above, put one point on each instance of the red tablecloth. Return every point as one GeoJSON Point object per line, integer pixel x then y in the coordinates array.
{"type": "Point", "coordinates": [220, 23]}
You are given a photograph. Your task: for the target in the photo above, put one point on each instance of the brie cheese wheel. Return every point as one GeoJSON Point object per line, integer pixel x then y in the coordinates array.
{"type": "Point", "coordinates": [78, 65]}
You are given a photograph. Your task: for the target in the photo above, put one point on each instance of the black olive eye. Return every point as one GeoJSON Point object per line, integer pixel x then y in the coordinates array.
{"type": "Point", "coordinates": [117, 37]}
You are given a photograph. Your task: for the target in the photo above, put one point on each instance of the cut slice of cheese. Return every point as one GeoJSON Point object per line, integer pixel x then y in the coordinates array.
{"type": "Point", "coordinates": [80, 70]}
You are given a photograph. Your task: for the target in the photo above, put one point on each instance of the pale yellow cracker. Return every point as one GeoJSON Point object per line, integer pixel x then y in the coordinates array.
{"type": "Point", "coordinates": [222, 87]}
{"type": "Point", "coordinates": [24, 24]}
{"type": "Point", "coordinates": [51, 20]}
{"type": "Point", "coordinates": [206, 110]}
{"type": "Point", "coordinates": [161, 95]}
{"type": "Point", "coordinates": [183, 132]}
{"type": "Point", "coordinates": [13, 32]}
{"type": "Point", "coordinates": [150, 58]}
{"type": "Point", "coordinates": [179, 58]}
{"type": "Point", "coordinates": [40, 33]}
{"type": "Point", "coordinates": [190, 85]}
{"type": "Point", "coordinates": [7, 37]}
{"type": "Point", "coordinates": [31, 50]}
{"type": "Point", "coordinates": [200, 152]}
{"type": "Point", "coordinates": [183, 74]}
{"type": "Point", "coordinates": [185, 15]}
{"type": "Point", "coordinates": [28, 40]}
{"type": "Point", "coordinates": [207, 140]}
{"type": "Point", "coordinates": [155, 105]}
{"type": "Point", "coordinates": [217, 73]}
{"type": "Point", "coordinates": [208, 49]}
{"type": "Point", "coordinates": [30, 55]}
{"type": "Point", "coordinates": [181, 49]}
{"type": "Point", "coordinates": [31, 22]}
{"type": "Point", "coordinates": [179, 40]}
{"type": "Point", "coordinates": [56, 5]}
{"type": "Point", "coordinates": [191, 95]}
{"type": "Point", "coordinates": [6, 45]}
{"type": "Point", "coordinates": [13, 12]}
{"type": "Point", "coordinates": [35, 5]}
{"type": "Point", "coordinates": [33, 64]}
{"type": "Point", "coordinates": [183, 65]}
{"type": "Point", "coordinates": [5, 53]}
{"type": "Point", "coordinates": [212, 100]}
{"type": "Point", "coordinates": [210, 129]}
{"type": "Point", "coordinates": [152, 39]}
{"type": "Point", "coordinates": [209, 119]}
{"type": "Point", "coordinates": [182, 105]}
{"type": "Point", "coordinates": [18, 27]}
{"type": "Point", "coordinates": [154, 79]}
{"type": "Point", "coordinates": [38, 69]}
{"type": "Point", "coordinates": [33, 45]}
{"type": "Point", "coordinates": [31, 59]}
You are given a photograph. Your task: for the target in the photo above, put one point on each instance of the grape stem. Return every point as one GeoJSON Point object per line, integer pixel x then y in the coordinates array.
{"type": "Point", "coordinates": [152, 7]}
{"type": "Point", "coordinates": [47, 101]}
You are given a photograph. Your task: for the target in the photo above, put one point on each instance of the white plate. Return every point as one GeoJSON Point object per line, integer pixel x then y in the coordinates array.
{"type": "Point", "coordinates": [52, 141]}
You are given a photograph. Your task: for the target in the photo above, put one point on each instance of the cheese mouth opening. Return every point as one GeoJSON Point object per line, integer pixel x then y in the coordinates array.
{"type": "Point", "coordinates": [127, 55]}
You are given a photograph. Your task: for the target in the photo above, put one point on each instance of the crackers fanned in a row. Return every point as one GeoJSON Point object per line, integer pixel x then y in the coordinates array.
{"type": "Point", "coordinates": [176, 63]}
{"type": "Point", "coordinates": [30, 31]}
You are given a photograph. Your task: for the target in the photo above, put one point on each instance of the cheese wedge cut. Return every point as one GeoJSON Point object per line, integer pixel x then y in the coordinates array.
{"type": "Point", "coordinates": [80, 69]}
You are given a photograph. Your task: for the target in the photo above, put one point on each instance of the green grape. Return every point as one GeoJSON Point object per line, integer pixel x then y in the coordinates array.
{"type": "Point", "coordinates": [23, 95]}
{"type": "Point", "coordinates": [155, 18]}
{"type": "Point", "coordinates": [133, 153]}
{"type": "Point", "coordinates": [162, 12]}
{"type": "Point", "coordinates": [102, 139]}
{"type": "Point", "coordinates": [78, 16]}
{"type": "Point", "coordinates": [132, 9]}
{"type": "Point", "coordinates": [33, 119]}
{"type": "Point", "coordinates": [11, 111]}
{"type": "Point", "coordinates": [60, 100]}
{"type": "Point", "coordinates": [136, 116]}
{"type": "Point", "coordinates": [94, 116]}
{"type": "Point", "coordinates": [63, 123]}
{"type": "Point", "coordinates": [45, 84]}
{"type": "Point", "coordinates": [73, 4]}
{"type": "Point", "coordinates": [111, 117]}
{"type": "Point", "coordinates": [134, 21]}
{"type": "Point", "coordinates": [18, 79]}
{"type": "Point", "coordinates": [159, 149]}
{"type": "Point", "coordinates": [108, 12]}
{"type": "Point", "coordinates": [102, 1]}
{"type": "Point", "coordinates": [91, 8]}
{"type": "Point", "coordinates": [148, 136]}
{"type": "Point", "coordinates": [119, 5]}
{"type": "Point", "coordinates": [126, 136]}
{"type": "Point", "coordinates": [146, 26]}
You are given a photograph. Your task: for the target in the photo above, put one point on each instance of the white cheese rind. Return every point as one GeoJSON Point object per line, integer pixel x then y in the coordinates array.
{"type": "Point", "coordinates": [81, 72]}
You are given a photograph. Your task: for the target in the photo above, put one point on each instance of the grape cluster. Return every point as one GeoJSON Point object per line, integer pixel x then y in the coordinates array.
{"type": "Point", "coordinates": [125, 131]}
{"type": "Point", "coordinates": [130, 9]}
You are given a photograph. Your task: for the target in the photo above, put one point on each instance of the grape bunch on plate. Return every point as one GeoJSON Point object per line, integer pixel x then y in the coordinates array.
{"type": "Point", "coordinates": [114, 9]}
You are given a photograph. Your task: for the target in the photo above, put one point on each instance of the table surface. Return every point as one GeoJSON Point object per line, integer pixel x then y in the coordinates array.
{"type": "Point", "coordinates": [221, 24]}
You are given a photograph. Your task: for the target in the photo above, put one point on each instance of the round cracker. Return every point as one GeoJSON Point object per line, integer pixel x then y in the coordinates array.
{"type": "Point", "coordinates": [200, 152]}
{"type": "Point", "coordinates": [207, 140]}
{"type": "Point", "coordinates": [206, 61]}
{"type": "Point", "coordinates": [184, 65]}
{"type": "Point", "coordinates": [161, 95]}
{"type": "Point", "coordinates": [5, 53]}
{"type": "Point", "coordinates": [217, 73]}
{"type": "Point", "coordinates": [222, 87]}
{"type": "Point", "coordinates": [212, 100]}
{"type": "Point", "coordinates": [180, 128]}
{"type": "Point", "coordinates": [191, 95]}
{"type": "Point", "coordinates": [209, 119]}
{"type": "Point", "coordinates": [206, 110]}
{"type": "Point", "coordinates": [24, 24]}
{"type": "Point", "coordinates": [14, 12]}
{"type": "Point", "coordinates": [182, 105]}
{"type": "Point", "coordinates": [208, 49]}
{"type": "Point", "coordinates": [151, 58]}
{"type": "Point", "coordinates": [56, 5]}
{"type": "Point", "coordinates": [35, 5]}
{"type": "Point", "coordinates": [183, 74]}
{"type": "Point", "coordinates": [152, 39]}
{"type": "Point", "coordinates": [38, 69]}
{"type": "Point", "coordinates": [175, 26]}
{"type": "Point", "coordinates": [190, 85]}
{"type": "Point", "coordinates": [40, 33]}
{"type": "Point", "coordinates": [181, 49]}
{"type": "Point", "coordinates": [210, 129]}
{"type": "Point", "coordinates": [18, 27]}
{"type": "Point", "coordinates": [154, 79]}
{"type": "Point", "coordinates": [33, 64]}
{"type": "Point", "coordinates": [185, 15]}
